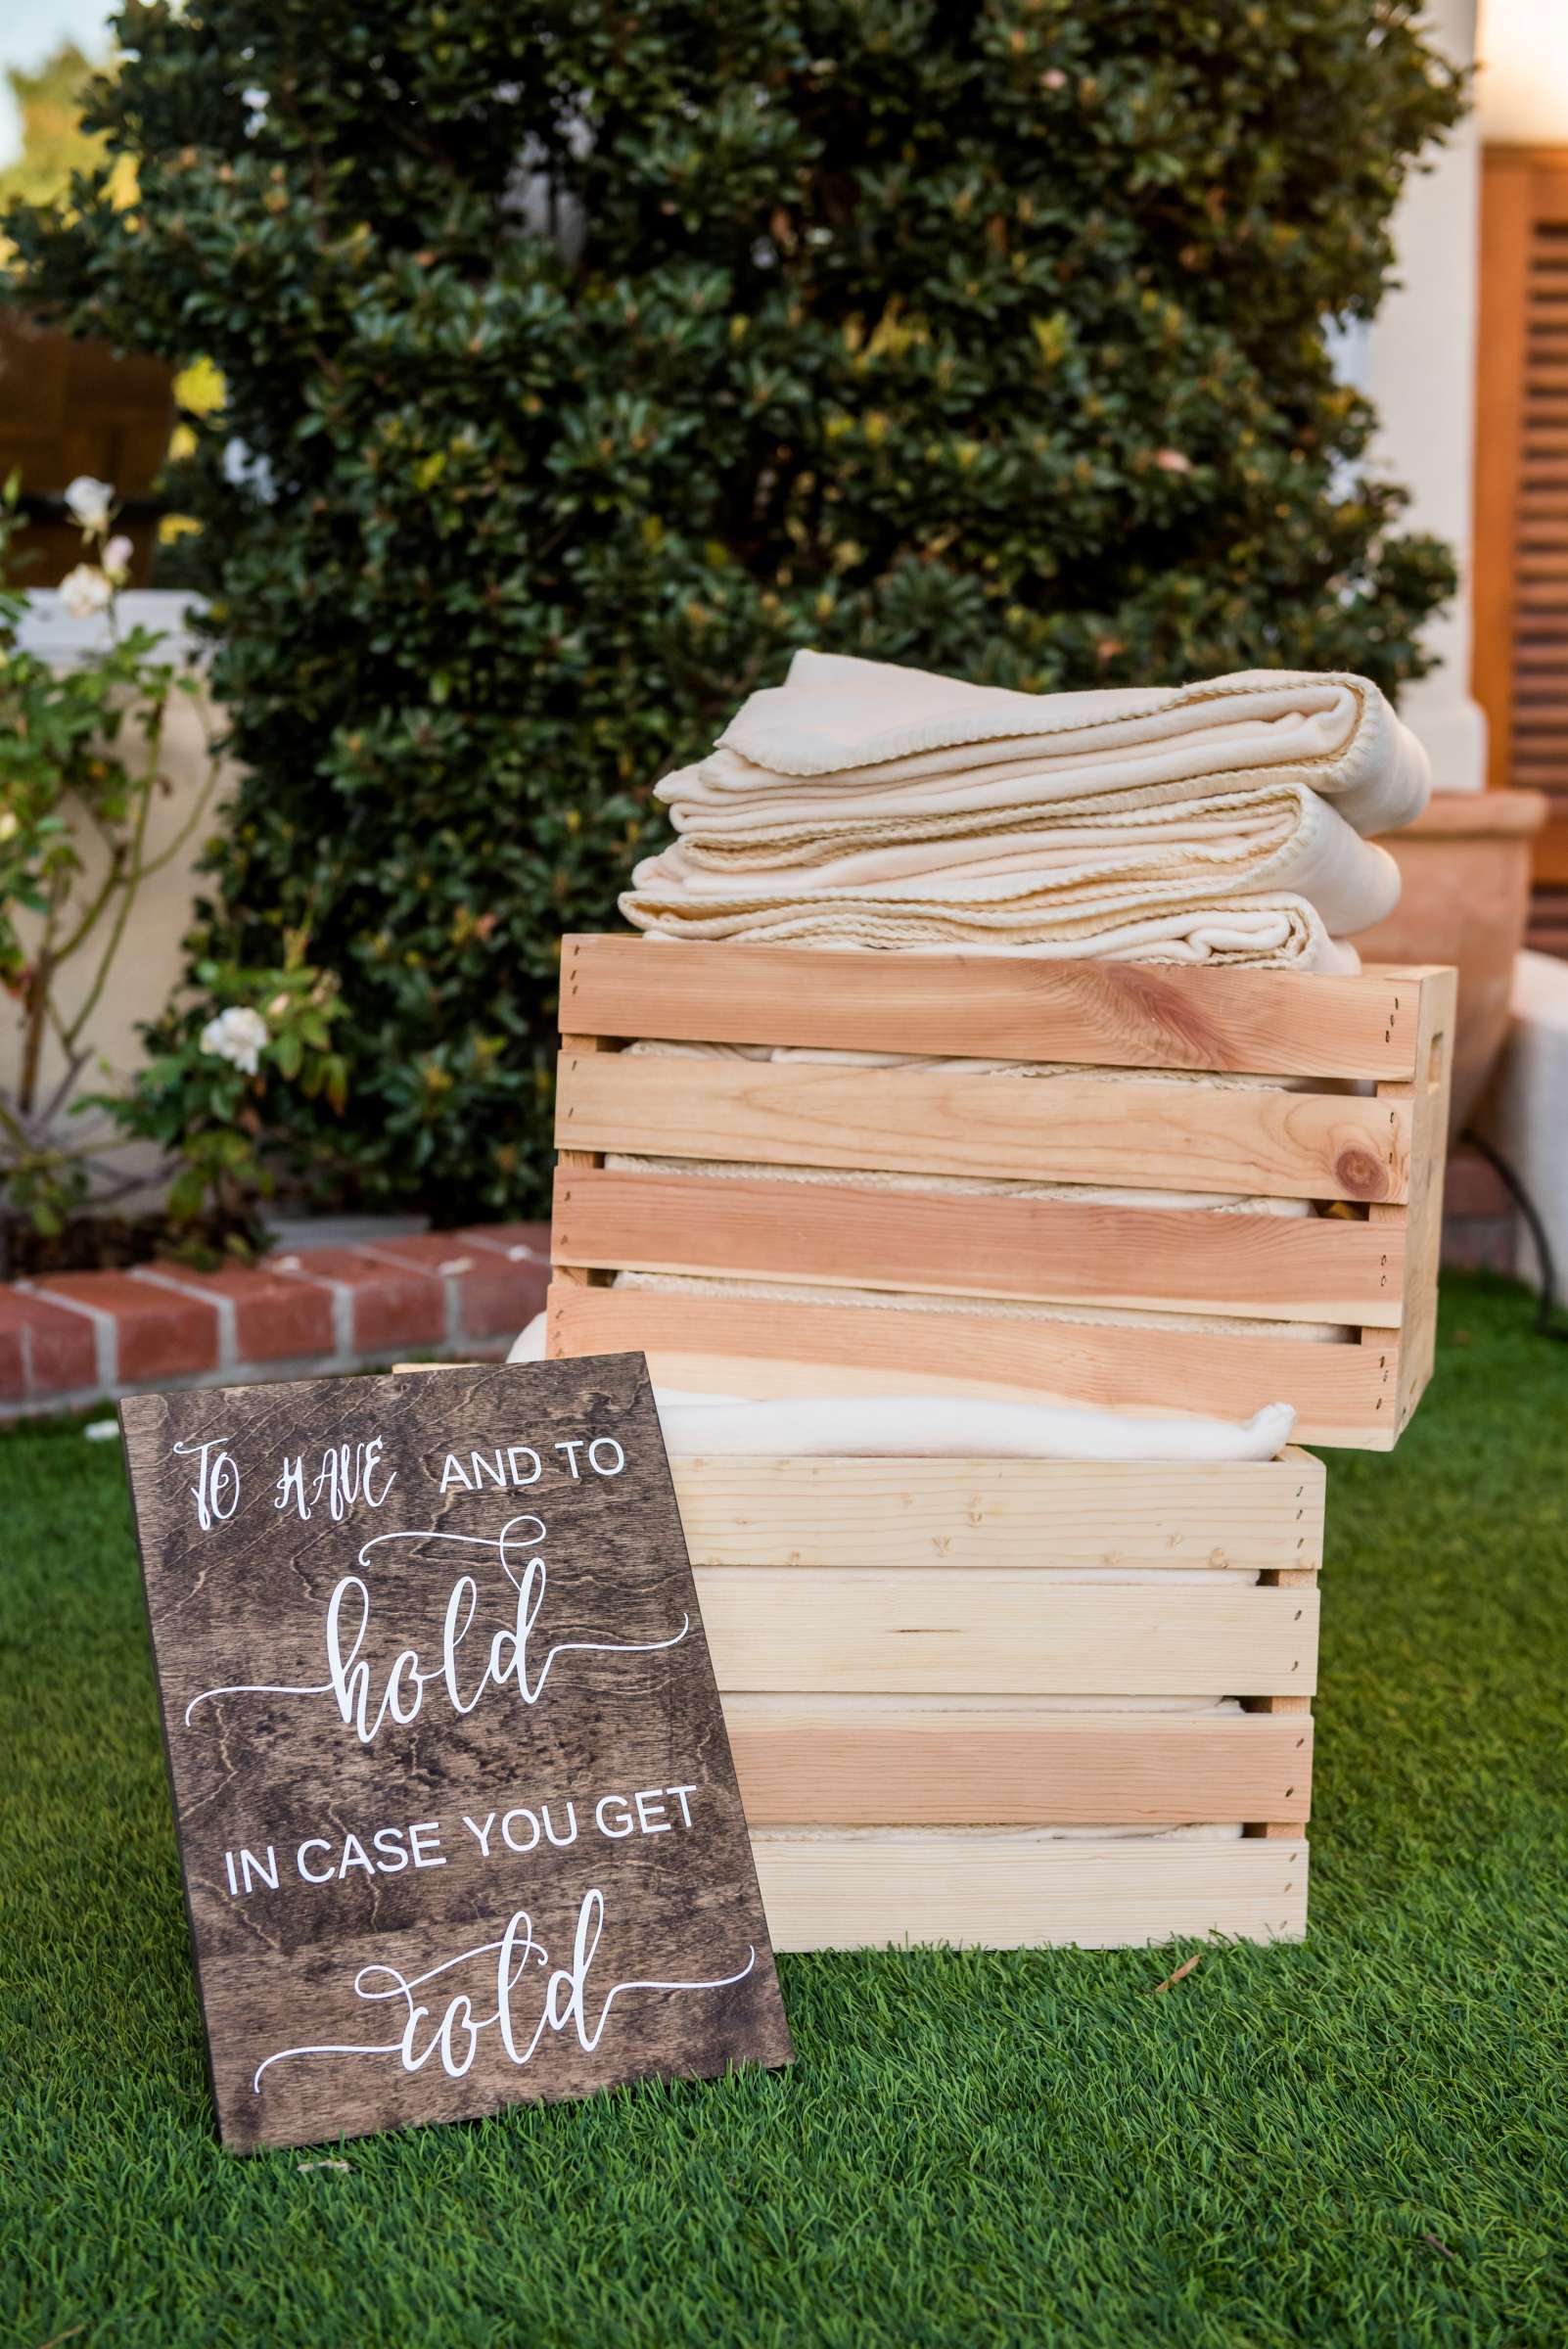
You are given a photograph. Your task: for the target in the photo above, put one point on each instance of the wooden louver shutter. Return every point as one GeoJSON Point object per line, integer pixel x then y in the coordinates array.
{"type": "Point", "coordinates": [1521, 535]}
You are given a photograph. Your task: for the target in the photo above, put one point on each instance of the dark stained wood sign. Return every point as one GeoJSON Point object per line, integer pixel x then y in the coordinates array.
{"type": "Point", "coordinates": [455, 1803]}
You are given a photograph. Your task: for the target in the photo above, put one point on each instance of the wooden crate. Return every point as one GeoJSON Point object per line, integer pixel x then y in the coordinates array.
{"type": "Point", "coordinates": [887, 1636]}
{"type": "Point", "coordinates": [1373, 1271]}
{"type": "Point", "coordinates": [893, 1638]}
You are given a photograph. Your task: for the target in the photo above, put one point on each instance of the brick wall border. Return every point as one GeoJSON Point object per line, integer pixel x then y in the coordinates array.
{"type": "Point", "coordinates": [74, 1337]}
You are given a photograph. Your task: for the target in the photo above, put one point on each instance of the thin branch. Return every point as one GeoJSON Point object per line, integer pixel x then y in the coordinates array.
{"type": "Point", "coordinates": [31, 1161]}
{"type": "Point", "coordinates": [105, 1194]}
{"type": "Point", "coordinates": [168, 853]}
{"type": "Point", "coordinates": [74, 1065]}
{"type": "Point", "coordinates": [36, 997]}
{"type": "Point", "coordinates": [129, 889]}
{"type": "Point", "coordinates": [94, 912]}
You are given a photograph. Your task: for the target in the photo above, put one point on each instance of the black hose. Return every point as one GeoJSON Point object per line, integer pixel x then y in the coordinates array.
{"type": "Point", "coordinates": [1547, 1304]}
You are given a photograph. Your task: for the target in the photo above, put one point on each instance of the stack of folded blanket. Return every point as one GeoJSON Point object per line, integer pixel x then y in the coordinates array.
{"type": "Point", "coordinates": [860, 805]}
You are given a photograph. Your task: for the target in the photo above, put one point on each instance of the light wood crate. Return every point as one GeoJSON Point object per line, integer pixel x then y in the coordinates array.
{"type": "Point", "coordinates": [892, 1637]}
{"type": "Point", "coordinates": [888, 1638]}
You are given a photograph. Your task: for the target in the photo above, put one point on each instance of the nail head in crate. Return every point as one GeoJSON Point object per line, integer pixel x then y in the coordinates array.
{"type": "Point", "coordinates": [947, 1681]}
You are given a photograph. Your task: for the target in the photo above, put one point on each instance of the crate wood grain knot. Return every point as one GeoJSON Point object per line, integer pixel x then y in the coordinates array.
{"type": "Point", "coordinates": [1006, 1702]}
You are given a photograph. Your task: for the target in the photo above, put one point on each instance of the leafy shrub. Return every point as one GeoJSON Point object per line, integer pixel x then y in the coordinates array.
{"type": "Point", "coordinates": [583, 360]}
{"type": "Point", "coordinates": [217, 1082]}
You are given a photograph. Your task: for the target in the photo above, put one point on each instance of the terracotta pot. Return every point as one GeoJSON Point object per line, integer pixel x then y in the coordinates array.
{"type": "Point", "coordinates": [1466, 897]}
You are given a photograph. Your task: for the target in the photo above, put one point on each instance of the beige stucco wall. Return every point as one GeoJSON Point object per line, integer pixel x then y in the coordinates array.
{"type": "Point", "coordinates": [1419, 372]}
{"type": "Point", "coordinates": [1421, 359]}
{"type": "Point", "coordinates": [147, 965]}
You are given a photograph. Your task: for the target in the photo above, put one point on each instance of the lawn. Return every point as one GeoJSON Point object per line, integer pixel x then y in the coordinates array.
{"type": "Point", "coordinates": [1362, 2140]}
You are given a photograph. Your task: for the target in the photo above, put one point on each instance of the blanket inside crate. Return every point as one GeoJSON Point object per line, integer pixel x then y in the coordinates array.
{"type": "Point", "coordinates": [940, 1427]}
{"type": "Point", "coordinates": [1035, 1073]}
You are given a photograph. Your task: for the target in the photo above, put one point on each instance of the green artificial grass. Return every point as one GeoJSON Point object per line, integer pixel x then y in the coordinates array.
{"type": "Point", "coordinates": [1359, 2141]}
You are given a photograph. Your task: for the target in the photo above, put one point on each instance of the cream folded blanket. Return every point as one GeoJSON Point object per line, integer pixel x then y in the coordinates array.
{"type": "Point", "coordinates": [953, 1186]}
{"type": "Point", "coordinates": [904, 741]}
{"type": "Point", "coordinates": [1282, 838]}
{"type": "Point", "coordinates": [990, 918]}
{"type": "Point", "coordinates": [954, 1427]}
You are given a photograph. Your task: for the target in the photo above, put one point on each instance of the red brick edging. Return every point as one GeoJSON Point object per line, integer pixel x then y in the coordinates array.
{"type": "Point", "coordinates": [76, 1336]}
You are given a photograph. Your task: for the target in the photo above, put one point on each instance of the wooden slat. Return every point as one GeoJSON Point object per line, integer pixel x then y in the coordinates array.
{"type": "Point", "coordinates": [908, 1762]}
{"type": "Point", "coordinates": [1506, 204]}
{"type": "Point", "coordinates": [1341, 1393]}
{"type": "Point", "coordinates": [581, 1045]}
{"type": "Point", "coordinates": [578, 1161]}
{"type": "Point", "coordinates": [1299, 1707]}
{"type": "Point", "coordinates": [1253, 1516]}
{"type": "Point", "coordinates": [1314, 1270]}
{"type": "Point", "coordinates": [1521, 519]}
{"type": "Point", "coordinates": [1426, 1101]}
{"type": "Point", "coordinates": [1550, 864]}
{"type": "Point", "coordinates": [1548, 916]}
{"type": "Point", "coordinates": [833, 1890]}
{"type": "Point", "coordinates": [924, 1631]}
{"type": "Point", "coordinates": [1119, 1014]}
{"type": "Point", "coordinates": [1066, 1128]}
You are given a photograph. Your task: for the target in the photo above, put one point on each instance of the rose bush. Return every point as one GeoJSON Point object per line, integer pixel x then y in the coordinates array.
{"type": "Point", "coordinates": [80, 773]}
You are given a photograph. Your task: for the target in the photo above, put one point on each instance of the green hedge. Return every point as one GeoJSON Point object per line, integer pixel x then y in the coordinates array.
{"type": "Point", "coordinates": [594, 356]}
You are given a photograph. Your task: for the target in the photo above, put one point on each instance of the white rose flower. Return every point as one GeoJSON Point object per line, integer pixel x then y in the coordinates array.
{"type": "Point", "coordinates": [85, 591]}
{"type": "Point", "coordinates": [236, 1035]}
{"type": "Point", "coordinates": [87, 501]}
{"type": "Point", "coordinates": [118, 558]}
